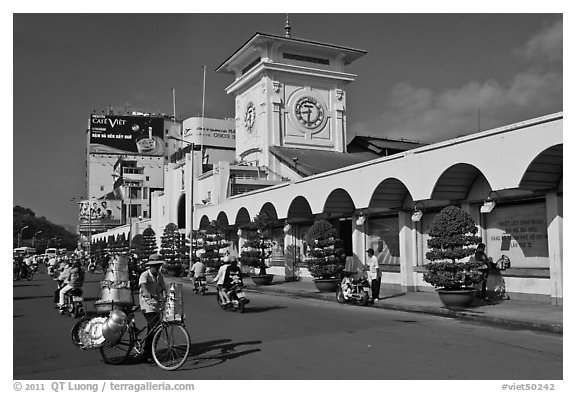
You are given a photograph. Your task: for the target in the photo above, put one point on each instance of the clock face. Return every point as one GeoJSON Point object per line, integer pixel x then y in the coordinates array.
{"type": "Point", "coordinates": [309, 112]}
{"type": "Point", "coordinates": [250, 117]}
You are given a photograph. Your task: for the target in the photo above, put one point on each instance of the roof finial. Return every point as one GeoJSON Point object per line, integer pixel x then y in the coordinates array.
{"type": "Point", "coordinates": [287, 27]}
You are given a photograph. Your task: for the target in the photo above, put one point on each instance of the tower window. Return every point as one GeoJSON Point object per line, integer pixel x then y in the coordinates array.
{"type": "Point", "coordinates": [308, 59]}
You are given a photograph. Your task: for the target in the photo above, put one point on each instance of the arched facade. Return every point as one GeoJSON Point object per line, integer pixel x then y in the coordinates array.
{"type": "Point", "coordinates": [521, 171]}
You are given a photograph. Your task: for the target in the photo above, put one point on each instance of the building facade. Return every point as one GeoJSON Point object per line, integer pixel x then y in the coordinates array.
{"type": "Point", "coordinates": [290, 159]}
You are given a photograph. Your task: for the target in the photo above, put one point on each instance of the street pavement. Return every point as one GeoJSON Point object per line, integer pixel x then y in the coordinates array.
{"type": "Point", "coordinates": [288, 336]}
{"type": "Point", "coordinates": [537, 316]}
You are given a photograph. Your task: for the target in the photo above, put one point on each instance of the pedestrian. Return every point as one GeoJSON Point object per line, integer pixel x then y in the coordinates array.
{"type": "Point", "coordinates": [152, 297]}
{"type": "Point", "coordinates": [484, 265]}
{"type": "Point", "coordinates": [374, 274]}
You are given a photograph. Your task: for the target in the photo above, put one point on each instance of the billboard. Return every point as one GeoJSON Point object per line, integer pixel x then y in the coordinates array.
{"type": "Point", "coordinates": [99, 214]}
{"type": "Point", "coordinates": [114, 134]}
{"type": "Point", "coordinates": [210, 132]}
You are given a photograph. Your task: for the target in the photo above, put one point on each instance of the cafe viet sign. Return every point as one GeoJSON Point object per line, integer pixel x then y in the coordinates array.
{"type": "Point", "coordinates": [210, 132]}
{"type": "Point", "coordinates": [113, 134]}
{"type": "Point", "coordinates": [521, 233]}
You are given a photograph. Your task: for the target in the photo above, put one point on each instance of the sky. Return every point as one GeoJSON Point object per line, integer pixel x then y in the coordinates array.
{"type": "Point", "coordinates": [426, 77]}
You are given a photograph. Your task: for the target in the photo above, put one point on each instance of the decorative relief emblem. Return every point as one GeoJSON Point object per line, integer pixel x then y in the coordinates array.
{"type": "Point", "coordinates": [339, 94]}
{"type": "Point", "coordinates": [309, 112]}
{"type": "Point", "coordinates": [276, 86]}
{"type": "Point", "coordinates": [250, 117]}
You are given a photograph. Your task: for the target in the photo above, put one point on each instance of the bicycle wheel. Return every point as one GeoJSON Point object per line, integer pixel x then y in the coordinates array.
{"type": "Point", "coordinates": [119, 352]}
{"type": "Point", "coordinates": [170, 346]}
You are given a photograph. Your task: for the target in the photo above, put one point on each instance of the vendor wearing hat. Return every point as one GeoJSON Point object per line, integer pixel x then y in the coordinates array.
{"type": "Point", "coordinates": [152, 295]}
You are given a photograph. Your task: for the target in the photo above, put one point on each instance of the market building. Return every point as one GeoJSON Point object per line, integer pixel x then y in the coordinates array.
{"type": "Point", "coordinates": [290, 158]}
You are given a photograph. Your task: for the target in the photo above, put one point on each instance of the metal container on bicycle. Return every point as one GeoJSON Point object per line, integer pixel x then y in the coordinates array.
{"type": "Point", "coordinates": [114, 326]}
{"type": "Point", "coordinates": [173, 309]}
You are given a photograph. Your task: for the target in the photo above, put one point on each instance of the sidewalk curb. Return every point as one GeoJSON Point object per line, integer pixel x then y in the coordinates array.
{"type": "Point", "coordinates": [516, 323]}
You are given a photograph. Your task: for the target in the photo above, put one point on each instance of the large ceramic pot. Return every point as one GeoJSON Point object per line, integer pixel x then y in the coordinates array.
{"type": "Point", "coordinates": [262, 279]}
{"type": "Point", "coordinates": [327, 284]}
{"type": "Point", "coordinates": [457, 298]}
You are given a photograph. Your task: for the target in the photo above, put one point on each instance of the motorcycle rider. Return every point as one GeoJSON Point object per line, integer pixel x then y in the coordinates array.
{"type": "Point", "coordinates": [219, 280]}
{"type": "Point", "coordinates": [346, 285]}
{"type": "Point", "coordinates": [198, 271]}
{"type": "Point", "coordinates": [75, 280]}
{"type": "Point", "coordinates": [232, 276]}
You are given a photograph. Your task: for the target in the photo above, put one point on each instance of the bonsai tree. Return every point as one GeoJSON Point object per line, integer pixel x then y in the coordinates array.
{"type": "Point", "coordinates": [211, 242]}
{"type": "Point", "coordinates": [148, 244]}
{"type": "Point", "coordinates": [328, 258]}
{"type": "Point", "coordinates": [136, 245]}
{"type": "Point", "coordinates": [170, 250]}
{"type": "Point", "coordinates": [258, 245]}
{"type": "Point", "coordinates": [452, 238]}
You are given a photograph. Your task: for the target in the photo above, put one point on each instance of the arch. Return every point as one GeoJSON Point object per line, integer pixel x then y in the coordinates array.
{"type": "Point", "coordinates": [455, 182]}
{"type": "Point", "coordinates": [181, 220]}
{"type": "Point", "coordinates": [391, 193]}
{"type": "Point", "coordinates": [204, 223]}
{"type": "Point", "coordinates": [299, 210]}
{"type": "Point", "coordinates": [339, 202]}
{"type": "Point", "coordinates": [270, 209]}
{"type": "Point", "coordinates": [545, 171]}
{"type": "Point", "coordinates": [242, 217]}
{"type": "Point", "coordinates": [222, 219]}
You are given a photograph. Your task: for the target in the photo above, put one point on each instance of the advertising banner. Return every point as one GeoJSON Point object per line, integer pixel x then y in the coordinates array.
{"type": "Point", "coordinates": [210, 132]}
{"type": "Point", "coordinates": [98, 214]}
{"type": "Point", "coordinates": [112, 134]}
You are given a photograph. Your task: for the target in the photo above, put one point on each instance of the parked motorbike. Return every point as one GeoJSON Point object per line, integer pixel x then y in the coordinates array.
{"type": "Point", "coordinates": [360, 289]}
{"type": "Point", "coordinates": [237, 298]}
{"type": "Point", "coordinates": [73, 302]}
{"type": "Point", "coordinates": [200, 285]}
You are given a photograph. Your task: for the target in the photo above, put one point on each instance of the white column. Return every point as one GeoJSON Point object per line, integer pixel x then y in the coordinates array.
{"type": "Point", "coordinates": [408, 250]}
{"type": "Point", "coordinates": [358, 244]}
{"type": "Point", "coordinates": [555, 233]}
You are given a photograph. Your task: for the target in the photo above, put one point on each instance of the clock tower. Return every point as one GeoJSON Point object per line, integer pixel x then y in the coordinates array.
{"type": "Point", "coordinates": [289, 93]}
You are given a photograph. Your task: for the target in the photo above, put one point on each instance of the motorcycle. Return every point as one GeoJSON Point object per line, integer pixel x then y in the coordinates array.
{"type": "Point", "coordinates": [73, 302]}
{"type": "Point", "coordinates": [53, 271]}
{"type": "Point", "coordinates": [200, 285]}
{"type": "Point", "coordinates": [359, 293]}
{"type": "Point", "coordinates": [237, 298]}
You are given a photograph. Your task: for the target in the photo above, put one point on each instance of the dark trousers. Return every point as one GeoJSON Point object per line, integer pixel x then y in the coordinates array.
{"type": "Point", "coordinates": [152, 319]}
{"type": "Point", "coordinates": [375, 285]}
{"type": "Point", "coordinates": [484, 282]}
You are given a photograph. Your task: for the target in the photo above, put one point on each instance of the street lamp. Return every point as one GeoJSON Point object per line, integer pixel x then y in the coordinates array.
{"type": "Point", "coordinates": [193, 147]}
{"type": "Point", "coordinates": [34, 237]}
{"type": "Point", "coordinates": [20, 235]}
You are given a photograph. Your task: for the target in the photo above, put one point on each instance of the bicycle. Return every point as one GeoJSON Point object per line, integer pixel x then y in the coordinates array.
{"type": "Point", "coordinates": [170, 342]}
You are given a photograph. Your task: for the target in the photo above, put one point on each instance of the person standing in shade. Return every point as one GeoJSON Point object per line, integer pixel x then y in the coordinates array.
{"type": "Point", "coordinates": [374, 274]}
{"type": "Point", "coordinates": [152, 297]}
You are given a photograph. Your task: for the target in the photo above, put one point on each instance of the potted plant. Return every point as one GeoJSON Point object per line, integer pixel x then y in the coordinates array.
{"type": "Point", "coordinates": [327, 258]}
{"type": "Point", "coordinates": [257, 247]}
{"type": "Point", "coordinates": [452, 239]}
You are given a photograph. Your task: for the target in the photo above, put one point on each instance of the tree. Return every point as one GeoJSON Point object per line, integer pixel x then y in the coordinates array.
{"type": "Point", "coordinates": [211, 242]}
{"type": "Point", "coordinates": [258, 245]}
{"type": "Point", "coordinates": [136, 246]}
{"type": "Point", "coordinates": [328, 256]}
{"type": "Point", "coordinates": [149, 246]}
{"type": "Point", "coordinates": [452, 237]}
{"type": "Point", "coordinates": [25, 225]}
{"type": "Point", "coordinates": [171, 249]}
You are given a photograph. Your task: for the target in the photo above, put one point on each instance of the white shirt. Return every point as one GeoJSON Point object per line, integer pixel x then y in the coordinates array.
{"type": "Point", "coordinates": [374, 267]}
{"type": "Point", "coordinates": [221, 274]}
